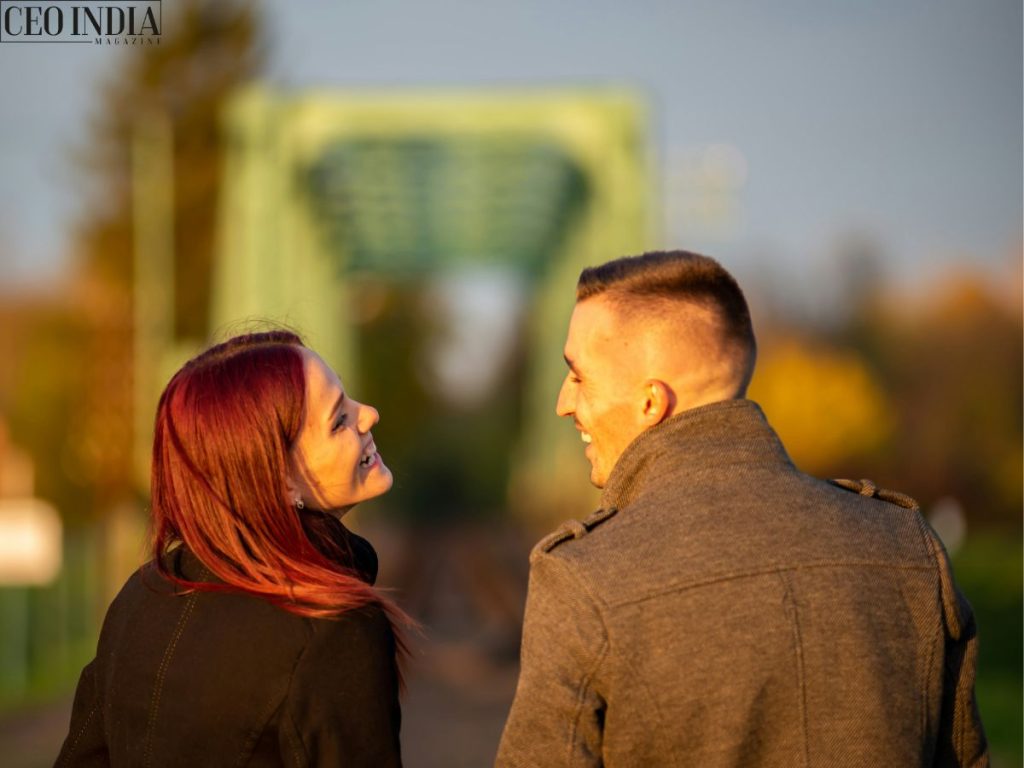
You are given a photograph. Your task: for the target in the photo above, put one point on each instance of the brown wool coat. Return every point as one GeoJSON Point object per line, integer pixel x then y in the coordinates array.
{"type": "Point", "coordinates": [724, 609]}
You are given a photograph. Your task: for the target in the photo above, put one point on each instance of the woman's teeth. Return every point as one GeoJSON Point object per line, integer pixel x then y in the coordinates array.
{"type": "Point", "coordinates": [585, 437]}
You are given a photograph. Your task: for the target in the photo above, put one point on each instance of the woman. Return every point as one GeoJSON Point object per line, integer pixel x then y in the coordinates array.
{"type": "Point", "coordinates": [254, 637]}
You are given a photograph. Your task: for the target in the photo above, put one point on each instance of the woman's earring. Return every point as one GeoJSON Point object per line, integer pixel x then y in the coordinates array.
{"type": "Point", "coordinates": [299, 504]}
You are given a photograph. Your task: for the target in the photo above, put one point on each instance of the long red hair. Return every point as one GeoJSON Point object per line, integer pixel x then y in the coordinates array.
{"type": "Point", "coordinates": [225, 427]}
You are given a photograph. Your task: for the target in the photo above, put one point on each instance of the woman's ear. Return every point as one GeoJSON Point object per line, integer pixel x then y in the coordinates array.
{"type": "Point", "coordinates": [291, 487]}
{"type": "Point", "coordinates": [658, 402]}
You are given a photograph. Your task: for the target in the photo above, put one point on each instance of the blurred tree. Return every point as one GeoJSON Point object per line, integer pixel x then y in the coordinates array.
{"type": "Point", "coordinates": [953, 365]}
{"type": "Point", "coordinates": [824, 402]}
{"type": "Point", "coordinates": [392, 330]}
{"type": "Point", "coordinates": [450, 461]}
{"type": "Point", "coordinates": [207, 50]}
{"type": "Point", "coordinates": [859, 263]}
{"type": "Point", "coordinates": [38, 392]}
{"type": "Point", "coordinates": [919, 391]}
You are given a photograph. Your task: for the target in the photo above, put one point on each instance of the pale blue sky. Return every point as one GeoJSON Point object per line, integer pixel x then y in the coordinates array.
{"type": "Point", "coordinates": [900, 121]}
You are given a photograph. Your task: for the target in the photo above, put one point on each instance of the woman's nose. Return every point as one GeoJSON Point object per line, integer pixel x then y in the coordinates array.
{"type": "Point", "coordinates": [368, 416]}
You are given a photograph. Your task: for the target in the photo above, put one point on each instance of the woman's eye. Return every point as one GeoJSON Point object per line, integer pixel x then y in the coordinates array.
{"type": "Point", "coordinates": [340, 421]}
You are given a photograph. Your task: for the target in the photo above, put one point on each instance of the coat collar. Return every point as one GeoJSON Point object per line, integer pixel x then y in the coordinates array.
{"type": "Point", "coordinates": [692, 443]}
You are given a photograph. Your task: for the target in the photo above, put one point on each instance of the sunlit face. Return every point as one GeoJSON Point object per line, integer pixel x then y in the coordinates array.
{"type": "Point", "coordinates": [335, 464]}
{"type": "Point", "coordinates": [600, 390]}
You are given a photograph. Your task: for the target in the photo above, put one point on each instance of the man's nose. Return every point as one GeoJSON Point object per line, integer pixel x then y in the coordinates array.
{"type": "Point", "coordinates": [566, 403]}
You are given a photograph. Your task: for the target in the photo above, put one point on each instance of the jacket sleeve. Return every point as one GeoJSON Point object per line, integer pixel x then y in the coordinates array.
{"type": "Point", "coordinates": [85, 745]}
{"type": "Point", "coordinates": [557, 713]}
{"type": "Point", "coordinates": [961, 738]}
{"type": "Point", "coordinates": [342, 707]}
{"type": "Point", "coordinates": [961, 735]}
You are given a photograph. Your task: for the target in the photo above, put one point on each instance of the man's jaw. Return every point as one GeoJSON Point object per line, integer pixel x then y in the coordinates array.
{"type": "Point", "coordinates": [589, 449]}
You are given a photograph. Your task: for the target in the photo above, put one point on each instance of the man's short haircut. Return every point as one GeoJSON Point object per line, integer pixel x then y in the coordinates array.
{"type": "Point", "coordinates": [676, 276]}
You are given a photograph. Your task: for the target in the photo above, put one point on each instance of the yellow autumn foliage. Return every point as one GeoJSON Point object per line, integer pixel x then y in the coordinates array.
{"type": "Point", "coordinates": [823, 402]}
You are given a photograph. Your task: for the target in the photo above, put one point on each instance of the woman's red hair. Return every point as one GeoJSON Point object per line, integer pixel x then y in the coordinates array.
{"type": "Point", "coordinates": [225, 427]}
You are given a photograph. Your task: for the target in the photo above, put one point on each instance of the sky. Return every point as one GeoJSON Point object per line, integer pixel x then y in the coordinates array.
{"type": "Point", "coordinates": [898, 122]}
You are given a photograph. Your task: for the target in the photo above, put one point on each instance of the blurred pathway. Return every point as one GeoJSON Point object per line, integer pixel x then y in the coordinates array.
{"type": "Point", "coordinates": [453, 714]}
{"type": "Point", "coordinates": [33, 737]}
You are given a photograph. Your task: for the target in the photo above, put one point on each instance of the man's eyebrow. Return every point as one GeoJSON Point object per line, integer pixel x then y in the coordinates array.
{"type": "Point", "coordinates": [570, 363]}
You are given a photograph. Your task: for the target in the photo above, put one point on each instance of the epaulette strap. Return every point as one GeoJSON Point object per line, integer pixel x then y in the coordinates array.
{"type": "Point", "coordinates": [594, 519]}
{"type": "Point", "coordinates": [571, 529]}
{"type": "Point", "coordinates": [869, 489]}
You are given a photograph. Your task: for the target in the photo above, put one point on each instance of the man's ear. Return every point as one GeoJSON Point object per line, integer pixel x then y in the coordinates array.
{"type": "Point", "coordinates": [658, 402]}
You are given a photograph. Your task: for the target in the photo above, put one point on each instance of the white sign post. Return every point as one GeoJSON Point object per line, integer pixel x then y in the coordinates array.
{"type": "Point", "coordinates": [30, 543]}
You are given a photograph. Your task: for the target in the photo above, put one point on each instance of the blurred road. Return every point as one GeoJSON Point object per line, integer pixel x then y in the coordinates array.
{"type": "Point", "coordinates": [453, 715]}
{"type": "Point", "coordinates": [32, 738]}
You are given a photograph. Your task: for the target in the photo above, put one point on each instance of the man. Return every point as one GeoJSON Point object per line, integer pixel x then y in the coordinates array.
{"type": "Point", "coordinates": [722, 608]}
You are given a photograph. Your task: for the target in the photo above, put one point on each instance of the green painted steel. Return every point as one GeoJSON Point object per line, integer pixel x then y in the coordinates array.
{"type": "Point", "coordinates": [323, 188]}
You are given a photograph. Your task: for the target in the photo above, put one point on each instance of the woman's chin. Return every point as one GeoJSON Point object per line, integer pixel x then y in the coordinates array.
{"type": "Point", "coordinates": [386, 478]}
{"type": "Point", "coordinates": [376, 472]}
{"type": "Point", "coordinates": [377, 480]}
{"type": "Point", "coordinates": [370, 482]}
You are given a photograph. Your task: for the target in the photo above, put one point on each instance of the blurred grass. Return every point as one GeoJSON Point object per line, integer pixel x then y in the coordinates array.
{"type": "Point", "coordinates": [989, 569]}
{"type": "Point", "coordinates": [49, 683]}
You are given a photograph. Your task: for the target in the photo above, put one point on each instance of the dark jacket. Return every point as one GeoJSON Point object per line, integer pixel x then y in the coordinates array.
{"type": "Point", "coordinates": [724, 610]}
{"type": "Point", "coordinates": [224, 679]}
